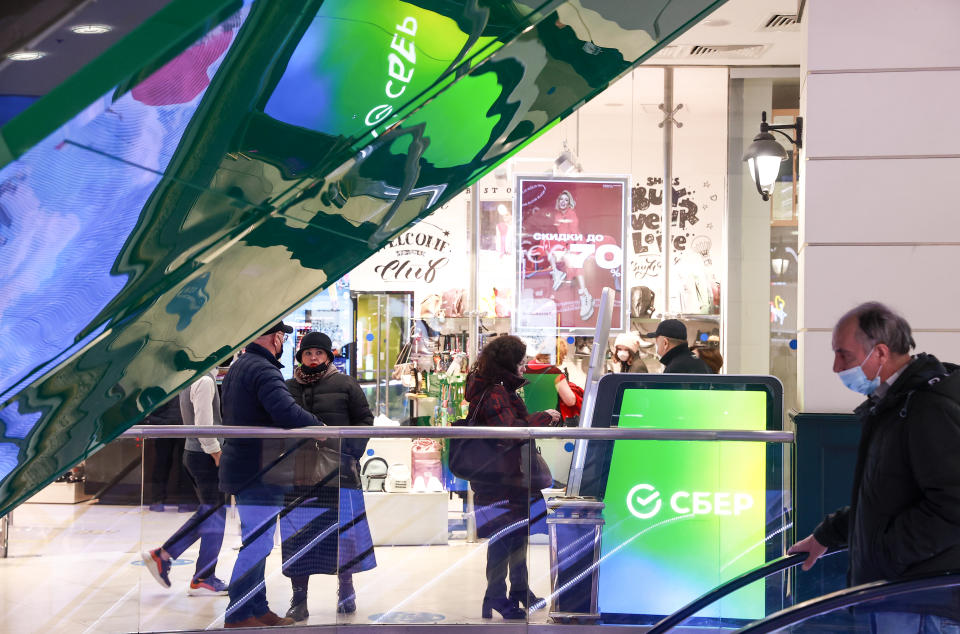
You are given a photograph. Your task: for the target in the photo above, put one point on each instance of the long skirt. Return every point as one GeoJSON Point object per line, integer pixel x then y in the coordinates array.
{"type": "Point", "coordinates": [316, 539]}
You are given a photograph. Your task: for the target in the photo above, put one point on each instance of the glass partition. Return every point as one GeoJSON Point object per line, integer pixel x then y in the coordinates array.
{"type": "Point", "coordinates": [336, 531]}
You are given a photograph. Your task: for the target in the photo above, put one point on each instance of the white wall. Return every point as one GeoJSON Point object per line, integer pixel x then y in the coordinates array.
{"type": "Point", "coordinates": [879, 217]}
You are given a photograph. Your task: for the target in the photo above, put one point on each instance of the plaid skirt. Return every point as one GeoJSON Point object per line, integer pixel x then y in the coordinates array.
{"type": "Point", "coordinates": [316, 539]}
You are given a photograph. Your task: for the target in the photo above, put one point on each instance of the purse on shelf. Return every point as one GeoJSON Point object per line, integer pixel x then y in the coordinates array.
{"type": "Point", "coordinates": [374, 474]}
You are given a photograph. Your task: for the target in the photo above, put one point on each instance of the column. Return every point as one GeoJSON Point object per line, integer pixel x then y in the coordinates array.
{"type": "Point", "coordinates": [879, 217]}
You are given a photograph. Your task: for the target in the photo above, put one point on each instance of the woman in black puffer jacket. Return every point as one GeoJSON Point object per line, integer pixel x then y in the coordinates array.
{"type": "Point", "coordinates": [319, 387]}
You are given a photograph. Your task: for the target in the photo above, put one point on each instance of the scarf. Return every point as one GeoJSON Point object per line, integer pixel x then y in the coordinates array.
{"type": "Point", "coordinates": [305, 379]}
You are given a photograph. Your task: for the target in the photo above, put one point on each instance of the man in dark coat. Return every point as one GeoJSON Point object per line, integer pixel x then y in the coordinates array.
{"type": "Point", "coordinates": [672, 348]}
{"type": "Point", "coordinates": [904, 514]}
{"type": "Point", "coordinates": [254, 394]}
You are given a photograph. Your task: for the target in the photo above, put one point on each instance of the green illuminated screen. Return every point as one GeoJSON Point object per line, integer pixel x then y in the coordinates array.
{"type": "Point", "coordinates": [683, 516]}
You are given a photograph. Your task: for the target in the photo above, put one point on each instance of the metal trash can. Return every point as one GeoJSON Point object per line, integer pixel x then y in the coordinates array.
{"type": "Point", "coordinates": [574, 526]}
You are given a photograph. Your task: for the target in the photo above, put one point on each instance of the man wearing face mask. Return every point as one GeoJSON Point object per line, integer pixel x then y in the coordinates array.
{"type": "Point", "coordinates": [673, 350]}
{"type": "Point", "coordinates": [254, 394]}
{"type": "Point", "coordinates": [904, 515]}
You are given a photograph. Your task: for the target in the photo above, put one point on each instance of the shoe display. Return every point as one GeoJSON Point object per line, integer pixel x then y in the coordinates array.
{"type": "Point", "coordinates": [251, 621]}
{"type": "Point", "coordinates": [507, 608]}
{"type": "Point", "coordinates": [271, 619]}
{"type": "Point", "coordinates": [209, 587]}
{"type": "Point", "coordinates": [157, 565]}
{"type": "Point", "coordinates": [298, 610]}
{"type": "Point", "coordinates": [434, 485]}
{"type": "Point", "coordinates": [586, 304]}
{"type": "Point", "coordinates": [419, 486]}
{"type": "Point", "coordinates": [558, 278]}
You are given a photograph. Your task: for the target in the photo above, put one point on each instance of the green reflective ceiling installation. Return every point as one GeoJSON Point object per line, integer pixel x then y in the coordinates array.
{"type": "Point", "coordinates": [217, 182]}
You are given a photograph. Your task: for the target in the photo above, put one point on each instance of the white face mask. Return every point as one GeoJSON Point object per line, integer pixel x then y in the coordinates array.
{"type": "Point", "coordinates": [623, 355]}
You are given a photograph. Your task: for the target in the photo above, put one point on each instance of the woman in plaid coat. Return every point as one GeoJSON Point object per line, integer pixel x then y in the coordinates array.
{"type": "Point", "coordinates": [502, 508]}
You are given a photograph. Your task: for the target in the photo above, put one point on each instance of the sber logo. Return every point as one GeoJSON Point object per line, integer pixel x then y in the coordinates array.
{"type": "Point", "coordinates": [644, 501]}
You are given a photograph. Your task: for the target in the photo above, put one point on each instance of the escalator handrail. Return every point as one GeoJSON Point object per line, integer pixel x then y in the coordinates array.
{"type": "Point", "coordinates": [848, 598]}
{"type": "Point", "coordinates": [760, 572]}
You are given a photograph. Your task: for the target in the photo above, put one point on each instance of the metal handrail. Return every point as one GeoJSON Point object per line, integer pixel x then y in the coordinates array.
{"type": "Point", "coordinates": [519, 433]}
{"type": "Point", "coordinates": [848, 598]}
{"type": "Point", "coordinates": [729, 587]}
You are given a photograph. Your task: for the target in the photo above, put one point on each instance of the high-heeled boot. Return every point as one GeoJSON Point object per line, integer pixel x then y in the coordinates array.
{"type": "Point", "coordinates": [527, 599]}
{"type": "Point", "coordinates": [507, 608]}
{"type": "Point", "coordinates": [346, 595]}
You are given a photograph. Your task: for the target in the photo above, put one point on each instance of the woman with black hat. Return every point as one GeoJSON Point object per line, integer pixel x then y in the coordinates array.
{"type": "Point", "coordinates": [337, 504]}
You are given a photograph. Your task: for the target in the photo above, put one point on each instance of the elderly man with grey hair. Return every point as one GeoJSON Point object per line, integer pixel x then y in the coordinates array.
{"type": "Point", "coordinates": [904, 515]}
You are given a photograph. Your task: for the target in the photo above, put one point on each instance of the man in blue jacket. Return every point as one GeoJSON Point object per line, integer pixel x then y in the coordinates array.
{"type": "Point", "coordinates": [254, 394]}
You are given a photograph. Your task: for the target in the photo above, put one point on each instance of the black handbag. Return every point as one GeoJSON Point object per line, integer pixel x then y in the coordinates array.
{"type": "Point", "coordinates": [486, 460]}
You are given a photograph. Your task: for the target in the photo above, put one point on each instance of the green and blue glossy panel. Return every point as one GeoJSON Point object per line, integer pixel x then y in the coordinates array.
{"type": "Point", "coordinates": [227, 160]}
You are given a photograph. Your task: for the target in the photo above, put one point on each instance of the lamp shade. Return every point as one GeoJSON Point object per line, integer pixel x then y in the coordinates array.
{"type": "Point", "coordinates": [763, 159]}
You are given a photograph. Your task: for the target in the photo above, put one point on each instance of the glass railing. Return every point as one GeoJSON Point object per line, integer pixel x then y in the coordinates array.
{"type": "Point", "coordinates": [371, 527]}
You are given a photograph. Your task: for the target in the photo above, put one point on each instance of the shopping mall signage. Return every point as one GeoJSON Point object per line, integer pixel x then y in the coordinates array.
{"type": "Point", "coordinates": [644, 502]}
{"type": "Point", "coordinates": [414, 255]}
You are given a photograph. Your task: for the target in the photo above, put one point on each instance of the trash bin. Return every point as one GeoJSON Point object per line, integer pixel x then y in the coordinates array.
{"type": "Point", "coordinates": [574, 526]}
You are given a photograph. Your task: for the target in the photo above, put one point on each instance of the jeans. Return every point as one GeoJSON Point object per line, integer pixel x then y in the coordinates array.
{"type": "Point", "coordinates": [258, 506]}
{"type": "Point", "coordinates": [208, 522]}
{"type": "Point", "coordinates": [910, 623]}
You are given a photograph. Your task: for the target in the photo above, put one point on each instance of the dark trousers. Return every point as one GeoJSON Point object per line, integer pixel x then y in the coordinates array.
{"type": "Point", "coordinates": [206, 524]}
{"type": "Point", "coordinates": [167, 457]}
{"type": "Point", "coordinates": [258, 506]}
{"type": "Point", "coordinates": [507, 554]}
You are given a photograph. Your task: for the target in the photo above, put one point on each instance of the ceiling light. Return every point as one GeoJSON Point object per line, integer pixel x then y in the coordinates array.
{"type": "Point", "coordinates": [567, 162]}
{"type": "Point", "coordinates": [25, 56]}
{"type": "Point", "coordinates": [716, 22]}
{"type": "Point", "coordinates": [91, 29]}
{"type": "Point", "coordinates": [764, 155]}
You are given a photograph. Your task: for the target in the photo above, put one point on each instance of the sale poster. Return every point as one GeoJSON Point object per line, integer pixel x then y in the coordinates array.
{"type": "Point", "coordinates": [570, 247]}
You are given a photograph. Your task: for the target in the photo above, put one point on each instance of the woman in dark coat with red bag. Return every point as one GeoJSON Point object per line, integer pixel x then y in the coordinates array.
{"type": "Point", "coordinates": [502, 507]}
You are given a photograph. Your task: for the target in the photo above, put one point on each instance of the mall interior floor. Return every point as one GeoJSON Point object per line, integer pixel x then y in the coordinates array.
{"type": "Point", "coordinates": [77, 568]}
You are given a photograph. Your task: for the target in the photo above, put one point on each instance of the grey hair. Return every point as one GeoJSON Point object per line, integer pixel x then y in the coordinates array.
{"type": "Point", "coordinates": [876, 323]}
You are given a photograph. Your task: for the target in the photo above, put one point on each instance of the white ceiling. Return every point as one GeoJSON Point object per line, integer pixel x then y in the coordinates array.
{"type": "Point", "coordinates": [737, 23]}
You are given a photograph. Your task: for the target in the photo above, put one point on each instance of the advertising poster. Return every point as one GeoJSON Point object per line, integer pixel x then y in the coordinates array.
{"type": "Point", "coordinates": [679, 517]}
{"type": "Point", "coordinates": [570, 237]}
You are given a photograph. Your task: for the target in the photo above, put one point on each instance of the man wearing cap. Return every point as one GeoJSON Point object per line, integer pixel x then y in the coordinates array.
{"type": "Point", "coordinates": [255, 394]}
{"type": "Point", "coordinates": [672, 348]}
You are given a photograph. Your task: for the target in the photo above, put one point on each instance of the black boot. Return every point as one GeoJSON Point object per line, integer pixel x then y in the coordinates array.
{"type": "Point", "coordinates": [346, 595]}
{"type": "Point", "coordinates": [298, 609]}
{"type": "Point", "coordinates": [527, 599]}
{"type": "Point", "coordinates": [507, 608]}
{"type": "Point", "coordinates": [298, 604]}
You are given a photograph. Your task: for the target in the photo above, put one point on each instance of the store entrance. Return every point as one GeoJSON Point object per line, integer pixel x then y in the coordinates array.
{"type": "Point", "coordinates": [381, 329]}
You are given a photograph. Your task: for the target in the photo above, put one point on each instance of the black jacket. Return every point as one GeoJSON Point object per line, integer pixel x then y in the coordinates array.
{"type": "Point", "coordinates": [681, 360]}
{"type": "Point", "coordinates": [904, 517]}
{"type": "Point", "coordinates": [337, 400]}
{"type": "Point", "coordinates": [254, 394]}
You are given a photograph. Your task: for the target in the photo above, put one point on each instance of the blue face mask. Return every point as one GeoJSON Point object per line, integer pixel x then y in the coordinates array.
{"type": "Point", "coordinates": [856, 380]}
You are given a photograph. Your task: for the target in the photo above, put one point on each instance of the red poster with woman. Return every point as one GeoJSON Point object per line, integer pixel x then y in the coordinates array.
{"type": "Point", "coordinates": [570, 247]}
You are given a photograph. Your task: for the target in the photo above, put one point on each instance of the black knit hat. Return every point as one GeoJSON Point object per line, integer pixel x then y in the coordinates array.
{"type": "Point", "coordinates": [315, 340]}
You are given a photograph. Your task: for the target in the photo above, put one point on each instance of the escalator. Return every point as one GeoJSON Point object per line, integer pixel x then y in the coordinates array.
{"type": "Point", "coordinates": [882, 606]}
{"type": "Point", "coordinates": [230, 158]}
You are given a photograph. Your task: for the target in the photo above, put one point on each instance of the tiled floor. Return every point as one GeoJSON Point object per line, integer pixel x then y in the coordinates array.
{"type": "Point", "coordinates": [76, 568]}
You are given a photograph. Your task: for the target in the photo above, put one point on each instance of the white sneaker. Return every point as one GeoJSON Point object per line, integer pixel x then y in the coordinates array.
{"type": "Point", "coordinates": [586, 304]}
{"type": "Point", "coordinates": [419, 486]}
{"type": "Point", "coordinates": [558, 277]}
{"type": "Point", "coordinates": [434, 486]}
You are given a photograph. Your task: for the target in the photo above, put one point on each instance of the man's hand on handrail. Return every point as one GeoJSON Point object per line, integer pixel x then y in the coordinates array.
{"type": "Point", "coordinates": [812, 547]}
